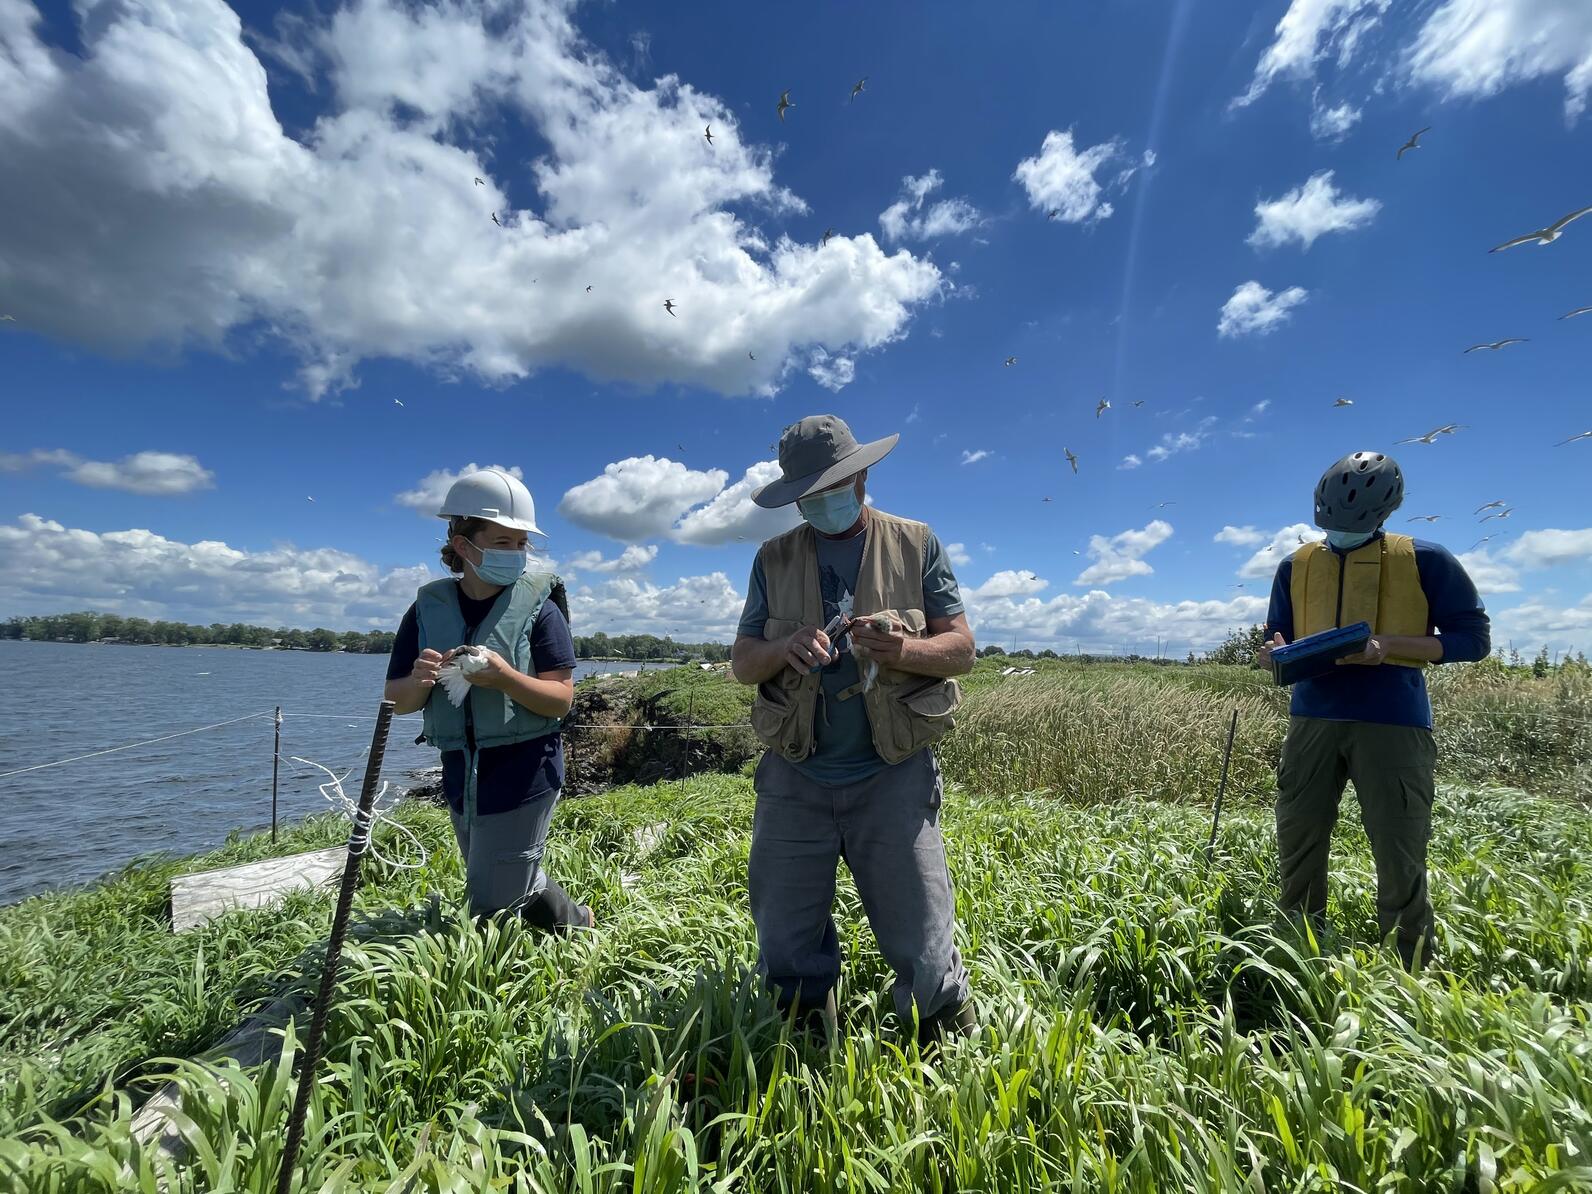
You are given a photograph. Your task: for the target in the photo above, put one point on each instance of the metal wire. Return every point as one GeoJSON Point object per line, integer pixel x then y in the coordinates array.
{"type": "Point", "coordinates": [130, 745]}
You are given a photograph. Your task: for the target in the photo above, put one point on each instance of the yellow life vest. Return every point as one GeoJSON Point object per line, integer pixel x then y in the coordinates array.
{"type": "Point", "coordinates": [1376, 583]}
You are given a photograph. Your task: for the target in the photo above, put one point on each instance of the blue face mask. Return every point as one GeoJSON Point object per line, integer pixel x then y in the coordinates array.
{"type": "Point", "coordinates": [1348, 540]}
{"type": "Point", "coordinates": [499, 566]}
{"type": "Point", "coordinates": [833, 512]}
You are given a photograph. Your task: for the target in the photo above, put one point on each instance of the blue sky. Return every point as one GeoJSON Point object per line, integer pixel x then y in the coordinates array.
{"type": "Point", "coordinates": [233, 246]}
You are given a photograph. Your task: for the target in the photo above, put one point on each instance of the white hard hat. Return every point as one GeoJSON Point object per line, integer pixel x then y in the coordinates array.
{"type": "Point", "coordinates": [495, 496]}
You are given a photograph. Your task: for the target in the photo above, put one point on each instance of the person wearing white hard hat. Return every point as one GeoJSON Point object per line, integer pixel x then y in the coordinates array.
{"type": "Point", "coordinates": [505, 629]}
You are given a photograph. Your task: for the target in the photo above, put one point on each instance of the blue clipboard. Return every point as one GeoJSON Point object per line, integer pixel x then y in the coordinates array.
{"type": "Point", "coordinates": [1317, 654]}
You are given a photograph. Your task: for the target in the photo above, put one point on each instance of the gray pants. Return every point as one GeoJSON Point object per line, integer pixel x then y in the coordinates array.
{"type": "Point", "coordinates": [887, 828]}
{"type": "Point", "coordinates": [503, 864]}
{"type": "Point", "coordinates": [1392, 769]}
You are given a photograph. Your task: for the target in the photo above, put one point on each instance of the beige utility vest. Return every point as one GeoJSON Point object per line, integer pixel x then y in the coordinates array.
{"type": "Point", "coordinates": [906, 712]}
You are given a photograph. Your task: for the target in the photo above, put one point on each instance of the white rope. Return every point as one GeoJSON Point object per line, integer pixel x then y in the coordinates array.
{"type": "Point", "coordinates": [362, 838]}
{"type": "Point", "coordinates": [130, 745]}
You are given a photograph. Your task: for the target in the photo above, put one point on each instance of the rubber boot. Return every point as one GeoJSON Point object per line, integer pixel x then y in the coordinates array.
{"type": "Point", "coordinates": [818, 1023]}
{"type": "Point", "coordinates": [959, 1019]}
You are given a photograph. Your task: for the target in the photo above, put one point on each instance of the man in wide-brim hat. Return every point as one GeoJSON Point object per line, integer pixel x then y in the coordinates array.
{"type": "Point", "coordinates": [852, 630]}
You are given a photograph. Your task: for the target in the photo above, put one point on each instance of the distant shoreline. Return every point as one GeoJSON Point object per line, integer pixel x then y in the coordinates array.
{"type": "Point", "coordinates": [111, 642]}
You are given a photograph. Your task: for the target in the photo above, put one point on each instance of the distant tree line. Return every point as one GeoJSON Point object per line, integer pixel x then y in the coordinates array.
{"type": "Point", "coordinates": [646, 646]}
{"type": "Point", "coordinates": [90, 627]}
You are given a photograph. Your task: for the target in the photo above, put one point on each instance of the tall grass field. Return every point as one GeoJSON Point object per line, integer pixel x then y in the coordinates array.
{"type": "Point", "coordinates": [1148, 1023]}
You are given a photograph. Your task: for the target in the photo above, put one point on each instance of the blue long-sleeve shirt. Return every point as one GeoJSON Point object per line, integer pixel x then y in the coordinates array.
{"type": "Point", "coordinates": [1390, 694]}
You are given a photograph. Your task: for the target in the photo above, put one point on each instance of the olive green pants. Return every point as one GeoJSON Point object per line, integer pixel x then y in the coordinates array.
{"type": "Point", "coordinates": [1392, 770]}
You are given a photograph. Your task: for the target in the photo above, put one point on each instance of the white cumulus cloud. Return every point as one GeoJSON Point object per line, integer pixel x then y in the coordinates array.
{"type": "Point", "coordinates": [1332, 123]}
{"type": "Point", "coordinates": [1279, 545]}
{"type": "Point", "coordinates": [159, 474]}
{"type": "Point", "coordinates": [639, 498]}
{"type": "Point", "coordinates": [692, 609]}
{"type": "Point", "coordinates": [1254, 309]}
{"type": "Point", "coordinates": [1309, 31]}
{"type": "Point", "coordinates": [1490, 574]}
{"type": "Point", "coordinates": [181, 213]}
{"type": "Point", "coordinates": [1548, 548]}
{"type": "Point", "coordinates": [1060, 179]}
{"type": "Point", "coordinates": [1009, 583]}
{"type": "Point", "coordinates": [1478, 47]}
{"type": "Point", "coordinates": [909, 219]}
{"type": "Point", "coordinates": [956, 553]}
{"type": "Point", "coordinates": [832, 372]}
{"type": "Point", "coordinates": [633, 559]}
{"type": "Point", "coordinates": [1131, 460]}
{"type": "Point", "coordinates": [1310, 210]}
{"type": "Point", "coordinates": [1244, 536]}
{"type": "Point", "coordinates": [1122, 555]}
{"type": "Point", "coordinates": [732, 514]}
{"type": "Point", "coordinates": [139, 573]}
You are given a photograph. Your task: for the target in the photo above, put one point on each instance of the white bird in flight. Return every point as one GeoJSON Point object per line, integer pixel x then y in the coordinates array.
{"type": "Point", "coordinates": [708, 133]}
{"type": "Point", "coordinates": [1071, 459]}
{"type": "Point", "coordinates": [1010, 361]}
{"type": "Point", "coordinates": [1343, 402]}
{"type": "Point", "coordinates": [1573, 438]}
{"type": "Point", "coordinates": [1489, 506]}
{"type": "Point", "coordinates": [784, 102]}
{"type": "Point", "coordinates": [1577, 311]}
{"type": "Point", "coordinates": [1413, 142]}
{"type": "Point", "coordinates": [1431, 436]}
{"type": "Point", "coordinates": [857, 88]}
{"type": "Point", "coordinates": [1497, 344]}
{"type": "Point", "coordinates": [8, 318]}
{"type": "Point", "coordinates": [395, 402]}
{"type": "Point", "coordinates": [1483, 539]}
{"type": "Point", "coordinates": [1425, 518]}
{"type": "Point", "coordinates": [1103, 405]}
{"type": "Point", "coordinates": [1504, 513]}
{"type": "Point", "coordinates": [1543, 236]}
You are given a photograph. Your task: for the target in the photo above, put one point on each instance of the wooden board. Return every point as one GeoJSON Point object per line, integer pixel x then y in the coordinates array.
{"type": "Point", "coordinates": [196, 898]}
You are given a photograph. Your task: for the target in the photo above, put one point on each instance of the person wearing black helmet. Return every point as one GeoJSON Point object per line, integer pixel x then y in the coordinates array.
{"type": "Point", "coordinates": [1370, 720]}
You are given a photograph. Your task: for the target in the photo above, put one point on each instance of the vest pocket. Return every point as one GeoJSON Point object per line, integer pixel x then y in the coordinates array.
{"type": "Point", "coordinates": [773, 718]}
{"type": "Point", "coordinates": [921, 712]}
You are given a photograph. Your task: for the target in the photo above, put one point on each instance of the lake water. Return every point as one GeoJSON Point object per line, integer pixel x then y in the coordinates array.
{"type": "Point", "coordinates": [68, 824]}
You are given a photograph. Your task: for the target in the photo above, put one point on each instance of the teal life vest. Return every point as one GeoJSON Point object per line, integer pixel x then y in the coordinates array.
{"type": "Point", "coordinates": [496, 718]}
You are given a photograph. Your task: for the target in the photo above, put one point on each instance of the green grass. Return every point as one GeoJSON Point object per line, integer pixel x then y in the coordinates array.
{"type": "Point", "coordinates": [1147, 1023]}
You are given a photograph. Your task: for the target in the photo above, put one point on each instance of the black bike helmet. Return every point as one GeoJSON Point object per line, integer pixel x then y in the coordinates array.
{"type": "Point", "coordinates": [1359, 492]}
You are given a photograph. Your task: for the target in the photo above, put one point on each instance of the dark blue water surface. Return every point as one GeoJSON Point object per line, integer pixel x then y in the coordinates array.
{"type": "Point", "coordinates": [68, 824]}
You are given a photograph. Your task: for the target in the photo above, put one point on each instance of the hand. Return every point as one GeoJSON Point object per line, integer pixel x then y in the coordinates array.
{"type": "Point", "coordinates": [1263, 656]}
{"type": "Point", "coordinates": [806, 648]}
{"type": "Point", "coordinates": [497, 668]}
{"type": "Point", "coordinates": [427, 664]}
{"type": "Point", "coordinates": [1375, 652]}
{"type": "Point", "coordinates": [870, 642]}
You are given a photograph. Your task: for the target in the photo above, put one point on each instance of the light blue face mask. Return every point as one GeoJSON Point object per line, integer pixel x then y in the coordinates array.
{"type": "Point", "coordinates": [834, 511]}
{"type": "Point", "coordinates": [499, 566]}
{"type": "Point", "coordinates": [1348, 540]}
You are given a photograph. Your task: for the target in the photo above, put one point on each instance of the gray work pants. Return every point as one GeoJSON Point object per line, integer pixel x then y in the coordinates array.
{"type": "Point", "coordinates": [1392, 769]}
{"type": "Point", "coordinates": [887, 828]}
{"type": "Point", "coordinates": [503, 864]}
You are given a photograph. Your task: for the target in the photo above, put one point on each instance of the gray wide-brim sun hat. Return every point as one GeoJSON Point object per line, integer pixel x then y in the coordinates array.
{"type": "Point", "coordinates": [816, 453]}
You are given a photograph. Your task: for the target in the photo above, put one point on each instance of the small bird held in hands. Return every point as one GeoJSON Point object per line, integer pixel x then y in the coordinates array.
{"type": "Point", "coordinates": [1543, 236]}
{"type": "Point", "coordinates": [496, 221]}
{"type": "Point", "coordinates": [1424, 518]}
{"type": "Point", "coordinates": [1102, 406]}
{"type": "Point", "coordinates": [1412, 143]}
{"type": "Point", "coordinates": [1573, 438]}
{"type": "Point", "coordinates": [857, 88]}
{"type": "Point", "coordinates": [1497, 344]}
{"type": "Point", "coordinates": [1490, 506]}
{"type": "Point", "coordinates": [479, 183]}
{"type": "Point", "coordinates": [1071, 459]}
{"type": "Point", "coordinates": [1504, 513]}
{"type": "Point", "coordinates": [668, 305]}
{"type": "Point", "coordinates": [1577, 311]}
{"type": "Point", "coordinates": [1010, 361]}
{"type": "Point", "coordinates": [708, 133]}
{"type": "Point", "coordinates": [1343, 402]}
{"type": "Point", "coordinates": [823, 241]}
{"type": "Point", "coordinates": [463, 662]}
{"type": "Point", "coordinates": [1431, 436]}
{"type": "Point", "coordinates": [784, 102]}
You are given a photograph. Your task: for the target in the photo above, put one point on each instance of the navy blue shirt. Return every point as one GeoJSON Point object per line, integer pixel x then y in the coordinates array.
{"type": "Point", "coordinates": [843, 750]}
{"type": "Point", "coordinates": [1390, 694]}
{"type": "Point", "coordinates": [508, 776]}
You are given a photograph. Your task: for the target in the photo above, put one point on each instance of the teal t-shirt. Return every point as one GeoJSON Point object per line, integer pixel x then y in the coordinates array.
{"type": "Point", "coordinates": [843, 750]}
